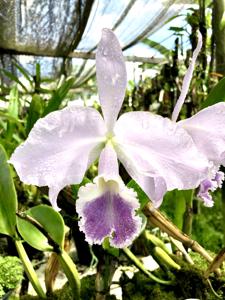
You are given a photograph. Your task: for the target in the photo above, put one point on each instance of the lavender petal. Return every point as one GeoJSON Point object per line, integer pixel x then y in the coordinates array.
{"type": "Point", "coordinates": [210, 185]}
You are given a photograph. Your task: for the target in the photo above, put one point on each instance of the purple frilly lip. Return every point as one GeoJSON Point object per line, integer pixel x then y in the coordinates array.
{"type": "Point", "coordinates": [210, 185]}
{"type": "Point", "coordinates": [111, 214]}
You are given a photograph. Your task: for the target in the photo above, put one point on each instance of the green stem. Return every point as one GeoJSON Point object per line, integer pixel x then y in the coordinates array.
{"type": "Point", "coordinates": [179, 208]}
{"type": "Point", "coordinates": [141, 267]}
{"type": "Point", "coordinates": [31, 274]}
{"type": "Point", "coordinates": [106, 268]}
{"type": "Point", "coordinates": [71, 273]}
{"type": "Point", "coordinates": [212, 289]}
{"type": "Point", "coordinates": [188, 215]}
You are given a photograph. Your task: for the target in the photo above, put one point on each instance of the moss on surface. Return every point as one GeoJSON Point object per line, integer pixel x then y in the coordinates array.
{"type": "Point", "coordinates": [11, 273]}
{"type": "Point", "coordinates": [189, 282]}
{"type": "Point", "coordinates": [141, 288]}
{"type": "Point", "coordinates": [87, 291]}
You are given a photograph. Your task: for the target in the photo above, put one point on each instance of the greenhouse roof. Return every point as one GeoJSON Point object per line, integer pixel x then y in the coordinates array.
{"type": "Point", "coordinates": [56, 28]}
{"type": "Point", "coordinates": [47, 32]}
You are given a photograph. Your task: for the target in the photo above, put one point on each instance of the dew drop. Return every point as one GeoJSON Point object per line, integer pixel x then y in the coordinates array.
{"type": "Point", "coordinates": [105, 52]}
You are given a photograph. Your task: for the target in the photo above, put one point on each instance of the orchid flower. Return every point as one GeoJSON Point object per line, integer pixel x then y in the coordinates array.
{"type": "Point", "coordinates": [157, 153]}
{"type": "Point", "coordinates": [207, 129]}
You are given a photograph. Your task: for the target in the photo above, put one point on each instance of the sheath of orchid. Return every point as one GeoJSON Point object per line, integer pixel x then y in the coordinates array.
{"type": "Point", "coordinates": [107, 207]}
{"type": "Point", "coordinates": [187, 80]}
{"type": "Point", "coordinates": [157, 153]}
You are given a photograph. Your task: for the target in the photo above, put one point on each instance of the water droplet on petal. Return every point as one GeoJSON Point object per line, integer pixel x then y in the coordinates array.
{"type": "Point", "coordinates": [105, 52]}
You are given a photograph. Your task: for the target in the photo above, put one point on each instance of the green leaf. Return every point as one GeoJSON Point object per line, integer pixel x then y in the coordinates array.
{"type": "Point", "coordinates": [59, 95]}
{"type": "Point", "coordinates": [75, 187]}
{"type": "Point", "coordinates": [111, 250]}
{"type": "Point", "coordinates": [34, 113]}
{"type": "Point", "coordinates": [217, 94]}
{"type": "Point", "coordinates": [143, 198]}
{"type": "Point", "coordinates": [4, 115]}
{"type": "Point", "coordinates": [164, 258]}
{"type": "Point", "coordinates": [52, 223]}
{"type": "Point", "coordinates": [13, 111]}
{"type": "Point", "coordinates": [176, 29]}
{"type": "Point", "coordinates": [8, 198]}
{"type": "Point", "coordinates": [14, 78]}
{"type": "Point", "coordinates": [24, 72]}
{"type": "Point", "coordinates": [174, 205]}
{"type": "Point", "coordinates": [222, 22]}
{"type": "Point", "coordinates": [155, 241]}
{"type": "Point", "coordinates": [159, 47]}
{"type": "Point", "coordinates": [172, 18]}
{"type": "Point", "coordinates": [38, 74]}
{"type": "Point", "coordinates": [33, 236]}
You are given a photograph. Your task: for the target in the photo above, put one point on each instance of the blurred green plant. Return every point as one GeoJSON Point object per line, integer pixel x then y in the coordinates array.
{"type": "Point", "coordinates": [41, 227]}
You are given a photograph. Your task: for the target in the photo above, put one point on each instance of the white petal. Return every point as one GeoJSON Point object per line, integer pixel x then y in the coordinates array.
{"type": "Point", "coordinates": [111, 76]}
{"type": "Point", "coordinates": [108, 163]}
{"type": "Point", "coordinates": [207, 129]}
{"type": "Point", "coordinates": [53, 193]}
{"type": "Point", "coordinates": [59, 148]}
{"type": "Point", "coordinates": [158, 154]}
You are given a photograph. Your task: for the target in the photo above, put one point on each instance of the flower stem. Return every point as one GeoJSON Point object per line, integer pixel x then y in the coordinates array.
{"type": "Point", "coordinates": [31, 274]}
{"type": "Point", "coordinates": [188, 214]}
{"type": "Point", "coordinates": [141, 267]}
{"type": "Point", "coordinates": [106, 268]}
{"type": "Point", "coordinates": [216, 263]}
{"type": "Point", "coordinates": [71, 273]}
{"type": "Point", "coordinates": [179, 208]}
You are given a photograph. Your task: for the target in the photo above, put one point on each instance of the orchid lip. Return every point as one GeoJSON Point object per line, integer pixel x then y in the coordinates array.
{"type": "Point", "coordinates": [108, 210]}
{"type": "Point", "coordinates": [111, 185]}
{"type": "Point", "coordinates": [110, 136]}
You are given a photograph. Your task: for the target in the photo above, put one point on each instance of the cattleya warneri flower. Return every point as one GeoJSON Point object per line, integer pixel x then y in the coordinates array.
{"type": "Point", "coordinates": [207, 129]}
{"type": "Point", "coordinates": [156, 152]}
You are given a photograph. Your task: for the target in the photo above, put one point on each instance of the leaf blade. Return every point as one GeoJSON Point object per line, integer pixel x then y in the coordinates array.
{"type": "Point", "coordinates": [8, 197]}
{"type": "Point", "coordinates": [217, 94]}
{"type": "Point", "coordinates": [58, 96]}
{"type": "Point", "coordinates": [52, 223]}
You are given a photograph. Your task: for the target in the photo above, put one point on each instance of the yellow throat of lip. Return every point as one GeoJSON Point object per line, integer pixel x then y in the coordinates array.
{"type": "Point", "coordinates": [110, 139]}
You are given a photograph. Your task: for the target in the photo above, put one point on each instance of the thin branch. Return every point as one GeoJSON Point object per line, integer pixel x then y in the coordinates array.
{"type": "Point", "coordinates": [157, 219]}
{"type": "Point", "coordinates": [142, 268]}
{"type": "Point", "coordinates": [216, 263]}
{"type": "Point", "coordinates": [124, 14]}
